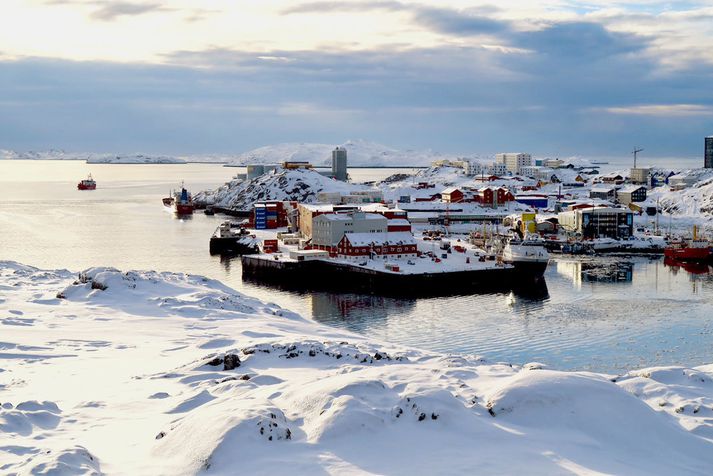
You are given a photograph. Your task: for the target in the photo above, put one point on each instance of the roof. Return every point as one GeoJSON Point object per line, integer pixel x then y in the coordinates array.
{"type": "Point", "coordinates": [393, 238]}
{"type": "Point", "coordinates": [399, 221]}
{"type": "Point", "coordinates": [630, 188]}
{"type": "Point", "coordinates": [318, 207]}
{"type": "Point", "coordinates": [450, 190]}
{"type": "Point", "coordinates": [603, 189]}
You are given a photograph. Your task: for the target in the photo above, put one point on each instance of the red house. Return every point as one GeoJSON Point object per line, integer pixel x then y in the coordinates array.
{"type": "Point", "coordinates": [398, 224]}
{"type": "Point", "coordinates": [377, 245]}
{"type": "Point", "coordinates": [452, 195]}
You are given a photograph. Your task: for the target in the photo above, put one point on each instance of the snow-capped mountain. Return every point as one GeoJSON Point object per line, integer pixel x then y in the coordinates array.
{"type": "Point", "coordinates": [359, 153]}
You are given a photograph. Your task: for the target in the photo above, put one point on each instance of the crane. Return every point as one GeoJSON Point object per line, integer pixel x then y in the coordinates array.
{"type": "Point", "coordinates": [636, 151]}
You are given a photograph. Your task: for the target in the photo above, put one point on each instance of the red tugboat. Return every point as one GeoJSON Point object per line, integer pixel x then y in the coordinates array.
{"type": "Point", "coordinates": [689, 250]}
{"type": "Point", "coordinates": [181, 202]}
{"type": "Point", "coordinates": [87, 184]}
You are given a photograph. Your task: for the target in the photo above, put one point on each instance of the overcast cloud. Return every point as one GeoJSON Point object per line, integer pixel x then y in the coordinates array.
{"type": "Point", "coordinates": [578, 84]}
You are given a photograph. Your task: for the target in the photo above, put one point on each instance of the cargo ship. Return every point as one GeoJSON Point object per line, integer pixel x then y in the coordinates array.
{"type": "Point", "coordinates": [695, 249]}
{"type": "Point", "coordinates": [180, 202]}
{"type": "Point", "coordinates": [87, 184]}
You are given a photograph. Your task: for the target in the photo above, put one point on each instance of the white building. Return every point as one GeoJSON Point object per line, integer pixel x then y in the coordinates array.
{"type": "Point", "coordinates": [514, 160]}
{"type": "Point", "coordinates": [553, 163]}
{"type": "Point", "coordinates": [497, 169]}
{"type": "Point", "coordinates": [537, 172]}
{"type": "Point", "coordinates": [329, 229]}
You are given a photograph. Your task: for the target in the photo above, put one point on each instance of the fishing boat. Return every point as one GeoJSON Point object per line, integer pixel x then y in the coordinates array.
{"type": "Point", "coordinates": [181, 202]}
{"type": "Point", "coordinates": [232, 238]}
{"type": "Point", "coordinates": [695, 249]}
{"type": "Point", "coordinates": [87, 184]}
{"type": "Point", "coordinates": [528, 254]}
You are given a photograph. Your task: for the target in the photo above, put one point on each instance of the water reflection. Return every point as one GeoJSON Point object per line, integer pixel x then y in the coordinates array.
{"type": "Point", "coordinates": [692, 267]}
{"type": "Point", "coordinates": [357, 312]}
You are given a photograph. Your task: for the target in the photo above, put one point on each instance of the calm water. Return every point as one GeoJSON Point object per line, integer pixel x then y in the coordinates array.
{"type": "Point", "coordinates": [645, 314]}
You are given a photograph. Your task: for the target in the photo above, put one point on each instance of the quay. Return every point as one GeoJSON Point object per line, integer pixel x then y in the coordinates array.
{"type": "Point", "coordinates": [337, 275]}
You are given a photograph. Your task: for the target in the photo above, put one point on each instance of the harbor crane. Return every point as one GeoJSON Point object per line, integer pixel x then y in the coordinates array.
{"type": "Point", "coordinates": [636, 151]}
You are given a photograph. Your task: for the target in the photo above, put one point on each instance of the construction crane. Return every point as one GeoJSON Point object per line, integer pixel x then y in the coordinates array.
{"type": "Point", "coordinates": [636, 151]}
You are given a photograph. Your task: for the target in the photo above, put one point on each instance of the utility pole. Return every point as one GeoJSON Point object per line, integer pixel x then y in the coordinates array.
{"type": "Point", "coordinates": [636, 151]}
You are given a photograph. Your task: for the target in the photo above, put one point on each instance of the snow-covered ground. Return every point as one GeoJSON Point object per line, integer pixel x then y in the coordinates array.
{"type": "Point", "coordinates": [160, 373]}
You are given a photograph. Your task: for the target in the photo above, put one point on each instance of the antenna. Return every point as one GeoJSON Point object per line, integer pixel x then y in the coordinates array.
{"type": "Point", "coordinates": [636, 151]}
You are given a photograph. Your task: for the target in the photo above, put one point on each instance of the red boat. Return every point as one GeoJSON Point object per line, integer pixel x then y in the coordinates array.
{"type": "Point", "coordinates": [87, 184]}
{"type": "Point", "coordinates": [181, 202]}
{"type": "Point", "coordinates": [689, 250]}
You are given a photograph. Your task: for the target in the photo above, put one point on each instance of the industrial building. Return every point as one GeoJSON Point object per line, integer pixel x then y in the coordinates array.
{"type": "Point", "coordinates": [296, 164]}
{"type": "Point", "coordinates": [339, 164]}
{"type": "Point", "coordinates": [328, 229]}
{"type": "Point", "coordinates": [600, 222]}
{"type": "Point", "coordinates": [639, 175]}
{"type": "Point", "coordinates": [514, 161]}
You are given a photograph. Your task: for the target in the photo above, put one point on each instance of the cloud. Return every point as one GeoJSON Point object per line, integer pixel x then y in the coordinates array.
{"type": "Point", "coordinates": [659, 110]}
{"type": "Point", "coordinates": [454, 98]}
{"type": "Point", "coordinates": [112, 10]}
{"type": "Point", "coordinates": [342, 7]}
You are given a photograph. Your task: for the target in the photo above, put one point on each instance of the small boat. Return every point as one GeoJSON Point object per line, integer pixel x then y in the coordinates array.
{"type": "Point", "coordinates": [181, 202]}
{"type": "Point", "coordinates": [602, 245]}
{"type": "Point", "coordinates": [232, 238]}
{"type": "Point", "coordinates": [87, 184]}
{"type": "Point", "coordinates": [528, 254]}
{"type": "Point", "coordinates": [695, 249]}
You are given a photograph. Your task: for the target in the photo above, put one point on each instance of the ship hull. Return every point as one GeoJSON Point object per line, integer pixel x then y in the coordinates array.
{"type": "Point", "coordinates": [530, 268]}
{"type": "Point", "coordinates": [687, 254]}
{"type": "Point", "coordinates": [86, 187]}
{"type": "Point", "coordinates": [181, 209]}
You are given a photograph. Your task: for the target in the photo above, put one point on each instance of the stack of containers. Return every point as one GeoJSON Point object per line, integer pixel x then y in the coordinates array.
{"type": "Point", "coordinates": [260, 217]}
{"type": "Point", "coordinates": [271, 215]}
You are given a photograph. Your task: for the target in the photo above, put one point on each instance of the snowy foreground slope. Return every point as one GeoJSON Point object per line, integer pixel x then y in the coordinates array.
{"type": "Point", "coordinates": [158, 373]}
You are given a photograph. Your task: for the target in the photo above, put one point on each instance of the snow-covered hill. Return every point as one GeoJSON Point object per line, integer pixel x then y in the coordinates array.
{"type": "Point", "coordinates": [160, 373]}
{"type": "Point", "coordinates": [52, 154]}
{"type": "Point", "coordinates": [695, 202]}
{"type": "Point", "coordinates": [300, 185]}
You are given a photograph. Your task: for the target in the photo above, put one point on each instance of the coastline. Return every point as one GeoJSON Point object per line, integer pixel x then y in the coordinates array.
{"type": "Point", "coordinates": [142, 359]}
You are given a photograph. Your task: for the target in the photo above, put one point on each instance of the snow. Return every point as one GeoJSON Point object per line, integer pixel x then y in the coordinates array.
{"type": "Point", "coordinates": [159, 373]}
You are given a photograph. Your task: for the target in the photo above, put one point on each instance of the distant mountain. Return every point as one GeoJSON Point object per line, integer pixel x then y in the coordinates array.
{"type": "Point", "coordinates": [359, 153]}
{"type": "Point", "coordinates": [52, 154]}
{"type": "Point", "coordinates": [134, 159]}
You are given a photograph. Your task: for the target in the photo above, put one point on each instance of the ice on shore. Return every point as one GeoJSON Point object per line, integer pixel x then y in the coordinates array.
{"type": "Point", "coordinates": [161, 373]}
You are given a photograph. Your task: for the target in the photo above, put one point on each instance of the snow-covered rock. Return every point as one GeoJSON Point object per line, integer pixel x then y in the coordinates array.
{"type": "Point", "coordinates": [301, 185]}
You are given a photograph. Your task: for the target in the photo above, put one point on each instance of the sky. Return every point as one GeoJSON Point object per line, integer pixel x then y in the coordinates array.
{"type": "Point", "coordinates": [552, 77]}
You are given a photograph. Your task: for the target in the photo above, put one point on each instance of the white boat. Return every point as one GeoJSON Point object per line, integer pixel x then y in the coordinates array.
{"type": "Point", "coordinates": [608, 244]}
{"type": "Point", "coordinates": [528, 254]}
